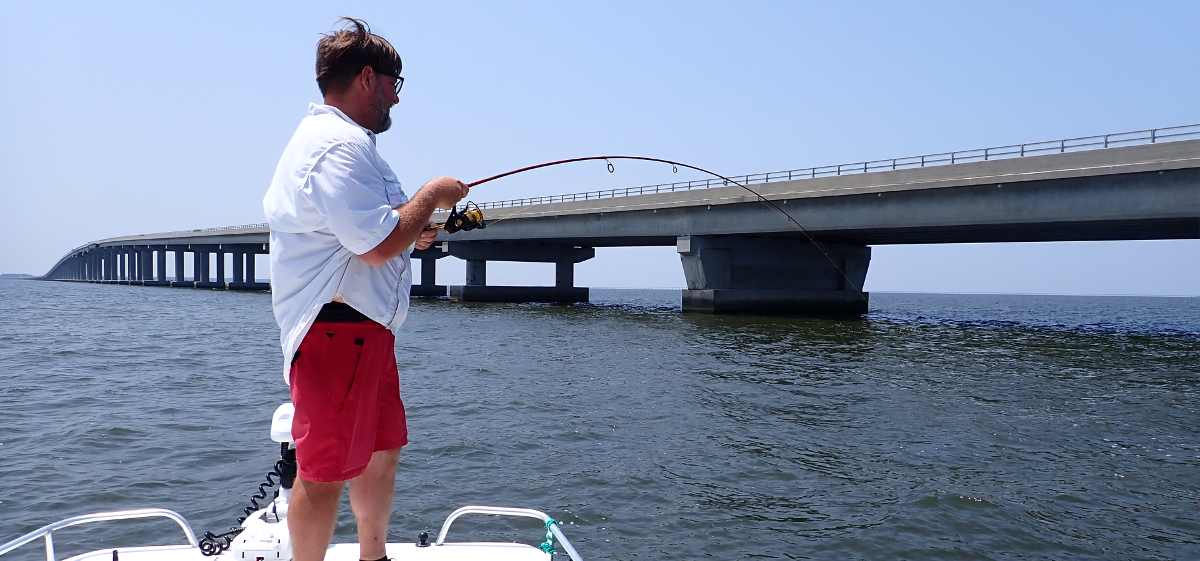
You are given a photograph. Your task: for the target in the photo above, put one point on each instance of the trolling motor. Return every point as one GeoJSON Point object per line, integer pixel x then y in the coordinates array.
{"type": "Point", "coordinates": [268, 535]}
{"type": "Point", "coordinates": [469, 218]}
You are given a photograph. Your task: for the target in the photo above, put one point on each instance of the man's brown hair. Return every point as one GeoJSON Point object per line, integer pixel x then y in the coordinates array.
{"type": "Point", "coordinates": [341, 55]}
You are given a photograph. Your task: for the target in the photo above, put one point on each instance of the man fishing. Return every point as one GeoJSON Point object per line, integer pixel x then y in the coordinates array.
{"type": "Point", "coordinates": [341, 233]}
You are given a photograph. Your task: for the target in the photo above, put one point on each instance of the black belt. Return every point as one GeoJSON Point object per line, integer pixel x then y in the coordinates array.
{"type": "Point", "coordinates": [340, 312]}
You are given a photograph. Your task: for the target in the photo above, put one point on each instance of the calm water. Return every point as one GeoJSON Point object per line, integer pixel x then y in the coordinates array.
{"type": "Point", "coordinates": [939, 427]}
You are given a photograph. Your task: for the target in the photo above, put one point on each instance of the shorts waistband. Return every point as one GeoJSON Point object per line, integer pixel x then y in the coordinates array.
{"type": "Point", "coordinates": [340, 312]}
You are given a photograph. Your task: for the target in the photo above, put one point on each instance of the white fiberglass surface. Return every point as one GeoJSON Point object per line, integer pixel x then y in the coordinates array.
{"type": "Point", "coordinates": [339, 552]}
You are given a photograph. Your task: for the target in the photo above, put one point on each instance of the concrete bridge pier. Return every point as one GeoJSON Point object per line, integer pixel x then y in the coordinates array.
{"type": "Point", "coordinates": [772, 275]}
{"type": "Point", "coordinates": [243, 267]}
{"type": "Point", "coordinates": [110, 265]}
{"type": "Point", "coordinates": [220, 268]}
{"type": "Point", "coordinates": [199, 267]}
{"type": "Point", "coordinates": [204, 269]}
{"type": "Point", "coordinates": [145, 266]}
{"type": "Point", "coordinates": [239, 268]}
{"type": "Point", "coordinates": [179, 257]}
{"type": "Point", "coordinates": [135, 266]}
{"type": "Point", "coordinates": [428, 287]}
{"type": "Point", "coordinates": [130, 266]}
{"type": "Point", "coordinates": [123, 265]}
{"type": "Point", "coordinates": [130, 261]}
{"type": "Point", "coordinates": [159, 257]}
{"type": "Point", "coordinates": [477, 254]}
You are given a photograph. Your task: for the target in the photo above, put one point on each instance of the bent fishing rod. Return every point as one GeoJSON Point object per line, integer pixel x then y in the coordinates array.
{"type": "Point", "coordinates": [471, 216]}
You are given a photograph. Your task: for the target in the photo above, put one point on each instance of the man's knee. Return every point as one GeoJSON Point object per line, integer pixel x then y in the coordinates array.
{"type": "Point", "coordinates": [383, 463]}
{"type": "Point", "coordinates": [319, 491]}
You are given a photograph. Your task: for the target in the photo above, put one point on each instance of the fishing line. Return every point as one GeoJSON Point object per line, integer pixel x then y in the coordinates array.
{"type": "Point", "coordinates": [675, 168]}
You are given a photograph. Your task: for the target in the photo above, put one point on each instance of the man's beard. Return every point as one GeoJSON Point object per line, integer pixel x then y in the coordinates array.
{"type": "Point", "coordinates": [384, 122]}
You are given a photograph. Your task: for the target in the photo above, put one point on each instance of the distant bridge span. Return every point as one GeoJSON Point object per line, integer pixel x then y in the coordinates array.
{"type": "Point", "coordinates": [739, 254]}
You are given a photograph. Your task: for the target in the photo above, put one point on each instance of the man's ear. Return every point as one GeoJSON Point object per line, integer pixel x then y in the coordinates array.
{"type": "Point", "coordinates": [366, 77]}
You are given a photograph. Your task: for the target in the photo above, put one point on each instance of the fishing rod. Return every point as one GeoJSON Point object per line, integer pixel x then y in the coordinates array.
{"type": "Point", "coordinates": [471, 216]}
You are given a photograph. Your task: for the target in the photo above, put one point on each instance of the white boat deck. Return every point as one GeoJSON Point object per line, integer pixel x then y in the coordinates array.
{"type": "Point", "coordinates": [489, 551]}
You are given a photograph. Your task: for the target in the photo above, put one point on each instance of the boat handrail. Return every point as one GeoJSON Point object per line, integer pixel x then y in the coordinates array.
{"type": "Point", "coordinates": [504, 511]}
{"type": "Point", "coordinates": [48, 530]}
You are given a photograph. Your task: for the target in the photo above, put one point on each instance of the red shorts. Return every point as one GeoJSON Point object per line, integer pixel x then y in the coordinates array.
{"type": "Point", "coordinates": [347, 395]}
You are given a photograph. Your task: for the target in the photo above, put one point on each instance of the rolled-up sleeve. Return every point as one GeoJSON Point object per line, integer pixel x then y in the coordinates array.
{"type": "Point", "coordinates": [351, 196]}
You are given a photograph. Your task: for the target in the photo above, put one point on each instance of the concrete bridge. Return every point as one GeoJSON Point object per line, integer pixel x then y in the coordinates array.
{"type": "Point", "coordinates": [739, 254]}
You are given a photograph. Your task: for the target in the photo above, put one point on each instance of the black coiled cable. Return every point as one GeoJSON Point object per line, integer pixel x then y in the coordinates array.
{"type": "Point", "coordinates": [284, 471]}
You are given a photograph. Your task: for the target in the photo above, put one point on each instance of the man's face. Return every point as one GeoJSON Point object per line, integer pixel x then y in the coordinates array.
{"type": "Point", "coordinates": [383, 97]}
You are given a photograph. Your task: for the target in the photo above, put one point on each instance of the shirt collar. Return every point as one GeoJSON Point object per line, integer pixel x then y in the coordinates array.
{"type": "Point", "coordinates": [320, 108]}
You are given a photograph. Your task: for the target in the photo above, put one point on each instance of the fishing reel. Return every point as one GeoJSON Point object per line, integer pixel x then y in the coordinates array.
{"type": "Point", "coordinates": [469, 218]}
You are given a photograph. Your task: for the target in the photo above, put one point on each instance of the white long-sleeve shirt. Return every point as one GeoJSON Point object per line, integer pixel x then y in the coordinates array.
{"type": "Point", "coordinates": [332, 198]}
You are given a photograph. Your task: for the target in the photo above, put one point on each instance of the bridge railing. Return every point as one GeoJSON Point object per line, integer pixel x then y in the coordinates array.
{"type": "Point", "coordinates": [1063, 145]}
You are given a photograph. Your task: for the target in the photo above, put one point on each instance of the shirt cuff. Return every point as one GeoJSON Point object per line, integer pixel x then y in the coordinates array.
{"type": "Point", "coordinates": [377, 235]}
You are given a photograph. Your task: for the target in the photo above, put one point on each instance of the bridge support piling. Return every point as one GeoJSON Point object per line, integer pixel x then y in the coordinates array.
{"type": "Point", "coordinates": [146, 268]}
{"type": "Point", "coordinates": [124, 265]}
{"type": "Point", "coordinates": [197, 267]}
{"type": "Point", "coordinates": [477, 254]}
{"type": "Point", "coordinates": [220, 269]}
{"type": "Point", "coordinates": [772, 275]}
{"type": "Point", "coordinates": [476, 272]}
{"type": "Point", "coordinates": [158, 258]}
{"type": "Point", "coordinates": [250, 278]}
{"type": "Point", "coordinates": [429, 288]}
{"type": "Point", "coordinates": [179, 267]}
{"type": "Point", "coordinates": [205, 278]}
{"type": "Point", "coordinates": [243, 268]}
{"type": "Point", "coordinates": [564, 274]}
{"type": "Point", "coordinates": [239, 266]}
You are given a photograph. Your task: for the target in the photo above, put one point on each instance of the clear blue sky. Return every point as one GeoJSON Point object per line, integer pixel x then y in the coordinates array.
{"type": "Point", "coordinates": [129, 118]}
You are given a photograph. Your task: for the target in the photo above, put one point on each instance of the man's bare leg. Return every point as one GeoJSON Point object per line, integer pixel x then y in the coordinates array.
{"type": "Point", "coordinates": [312, 511]}
{"type": "Point", "coordinates": [371, 501]}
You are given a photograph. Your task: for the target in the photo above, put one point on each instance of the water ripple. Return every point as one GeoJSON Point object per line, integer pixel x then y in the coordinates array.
{"type": "Point", "coordinates": [939, 427]}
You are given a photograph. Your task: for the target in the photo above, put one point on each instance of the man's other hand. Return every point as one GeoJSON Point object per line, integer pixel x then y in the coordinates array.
{"type": "Point", "coordinates": [427, 236]}
{"type": "Point", "coordinates": [446, 191]}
